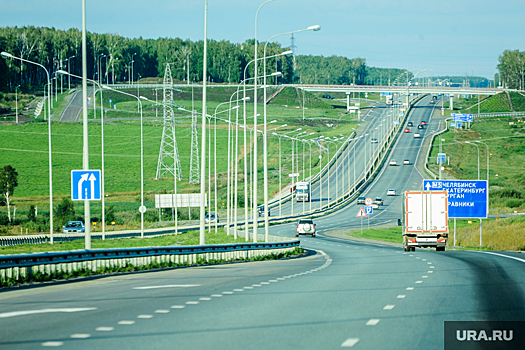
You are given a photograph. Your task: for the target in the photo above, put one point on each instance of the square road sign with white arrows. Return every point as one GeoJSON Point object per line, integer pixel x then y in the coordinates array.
{"type": "Point", "coordinates": [85, 184]}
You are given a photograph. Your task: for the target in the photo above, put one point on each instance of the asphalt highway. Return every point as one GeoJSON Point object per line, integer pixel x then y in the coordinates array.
{"type": "Point", "coordinates": [343, 294]}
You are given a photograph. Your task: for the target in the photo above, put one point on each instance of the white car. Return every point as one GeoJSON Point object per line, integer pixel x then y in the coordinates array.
{"type": "Point", "coordinates": [211, 217]}
{"type": "Point", "coordinates": [417, 135]}
{"type": "Point", "coordinates": [406, 162]}
{"type": "Point", "coordinates": [393, 162]}
{"type": "Point", "coordinates": [374, 141]}
{"type": "Point", "coordinates": [305, 227]}
{"type": "Point", "coordinates": [391, 192]}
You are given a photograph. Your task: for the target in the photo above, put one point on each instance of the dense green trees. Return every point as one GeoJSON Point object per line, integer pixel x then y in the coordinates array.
{"type": "Point", "coordinates": [121, 59]}
{"type": "Point", "coordinates": [512, 69]}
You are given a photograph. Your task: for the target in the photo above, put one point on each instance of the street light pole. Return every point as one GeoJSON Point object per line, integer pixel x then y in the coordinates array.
{"type": "Point", "coordinates": [8, 55]}
{"type": "Point", "coordinates": [202, 227]}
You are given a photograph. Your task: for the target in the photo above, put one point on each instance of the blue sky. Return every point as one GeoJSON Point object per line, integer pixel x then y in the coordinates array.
{"type": "Point", "coordinates": [450, 37]}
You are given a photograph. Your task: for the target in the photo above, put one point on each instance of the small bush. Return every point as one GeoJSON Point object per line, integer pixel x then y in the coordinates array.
{"type": "Point", "coordinates": [514, 203]}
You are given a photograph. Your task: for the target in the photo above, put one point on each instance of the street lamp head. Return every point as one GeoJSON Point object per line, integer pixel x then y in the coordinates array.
{"type": "Point", "coordinates": [273, 121]}
{"type": "Point", "coordinates": [236, 107]}
{"type": "Point", "coordinates": [144, 98]}
{"type": "Point", "coordinates": [276, 74]}
{"type": "Point", "coordinates": [60, 71]}
{"type": "Point", "coordinates": [289, 52]}
{"type": "Point", "coordinates": [315, 28]}
{"type": "Point", "coordinates": [6, 54]}
{"type": "Point", "coordinates": [284, 125]}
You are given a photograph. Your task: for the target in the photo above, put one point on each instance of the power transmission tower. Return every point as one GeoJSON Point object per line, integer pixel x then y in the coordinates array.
{"type": "Point", "coordinates": [194, 159]}
{"type": "Point", "coordinates": [169, 153]}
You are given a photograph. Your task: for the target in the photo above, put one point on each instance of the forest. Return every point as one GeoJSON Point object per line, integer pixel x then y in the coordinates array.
{"type": "Point", "coordinates": [113, 58]}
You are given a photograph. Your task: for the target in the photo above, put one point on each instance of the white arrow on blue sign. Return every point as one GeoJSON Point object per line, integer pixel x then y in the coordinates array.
{"type": "Point", "coordinates": [369, 209]}
{"type": "Point", "coordinates": [85, 184]}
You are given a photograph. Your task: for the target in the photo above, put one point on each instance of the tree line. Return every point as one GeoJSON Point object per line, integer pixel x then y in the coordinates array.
{"type": "Point", "coordinates": [113, 58]}
{"type": "Point", "coordinates": [512, 69]}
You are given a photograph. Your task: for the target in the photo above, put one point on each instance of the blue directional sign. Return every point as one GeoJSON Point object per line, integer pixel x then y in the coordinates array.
{"type": "Point", "coordinates": [466, 198]}
{"type": "Point", "coordinates": [461, 117]}
{"type": "Point", "coordinates": [442, 158]}
{"type": "Point", "coordinates": [85, 184]}
{"type": "Point", "coordinates": [458, 125]}
{"type": "Point", "coordinates": [369, 209]}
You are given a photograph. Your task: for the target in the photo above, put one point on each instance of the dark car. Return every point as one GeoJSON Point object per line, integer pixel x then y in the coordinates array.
{"type": "Point", "coordinates": [211, 217]}
{"type": "Point", "coordinates": [330, 97]}
{"type": "Point", "coordinates": [378, 201]}
{"type": "Point", "coordinates": [410, 124]}
{"type": "Point", "coordinates": [360, 200]}
{"type": "Point", "coordinates": [260, 211]}
{"type": "Point", "coordinates": [420, 126]}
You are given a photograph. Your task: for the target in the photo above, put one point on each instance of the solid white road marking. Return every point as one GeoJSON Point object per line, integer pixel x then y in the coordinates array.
{"type": "Point", "coordinates": [53, 343]}
{"type": "Point", "coordinates": [410, 288]}
{"type": "Point", "coordinates": [349, 342]}
{"type": "Point", "coordinates": [80, 336]}
{"type": "Point", "coordinates": [169, 286]}
{"type": "Point", "coordinates": [178, 307]}
{"type": "Point", "coordinates": [372, 322]}
{"type": "Point", "coordinates": [389, 307]}
{"type": "Point", "coordinates": [105, 329]}
{"type": "Point", "coordinates": [126, 322]}
{"type": "Point", "coordinates": [145, 316]}
{"type": "Point", "coordinates": [505, 256]}
{"type": "Point", "coordinates": [162, 311]}
{"type": "Point", "coordinates": [43, 311]}
{"type": "Point", "coordinates": [401, 296]}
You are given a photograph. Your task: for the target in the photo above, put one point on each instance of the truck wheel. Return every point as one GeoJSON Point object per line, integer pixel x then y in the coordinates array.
{"type": "Point", "coordinates": [413, 249]}
{"type": "Point", "coordinates": [440, 249]}
{"type": "Point", "coordinates": [296, 235]}
{"type": "Point", "coordinates": [406, 248]}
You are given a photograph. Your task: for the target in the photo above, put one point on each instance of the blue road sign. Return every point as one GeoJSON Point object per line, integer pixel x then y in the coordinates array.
{"type": "Point", "coordinates": [452, 125]}
{"type": "Point", "coordinates": [466, 198]}
{"type": "Point", "coordinates": [369, 209]}
{"type": "Point", "coordinates": [442, 158]}
{"type": "Point", "coordinates": [458, 125]}
{"type": "Point", "coordinates": [461, 117]}
{"type": "Point", "coordinates": [85, 184]}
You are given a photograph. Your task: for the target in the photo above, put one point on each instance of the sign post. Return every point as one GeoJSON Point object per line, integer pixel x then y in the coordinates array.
{"type": "Point", "coordinates": [361, 214]}
{"type": "Point", "coordinates": [369, 210]}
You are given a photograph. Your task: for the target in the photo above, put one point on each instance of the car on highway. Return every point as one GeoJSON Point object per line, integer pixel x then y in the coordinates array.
{"type": "Point", "coordinates": [360, 200]}
{"type": "Point", "coordinates": [406, 161]}
{"type": "Point", "coordinates": [423, 122]}
{"type": "Point", "coordinates": [374, 141]}
{"type": "Point", "coordinates": [378, 201]}
{"type": "Point", "coordinates": [211, 217]}
{"type": "Point", "coordinates": [407, 130]}
{"type": "Point", "coordinates": [420, 126]}
{"type": "Point", "coordinates": [392, 162]}
{"type": "Point", "coordinates": [432, 101]}
{"type": "Point", "coordinates": [260, 211]}
{"type": "Point", "coordinates": [305, 227]}
{"type": "Point", "coordinates": [74, 227]}
{"type": "Point", "coordinates": [410, 124]}
{"type": "Point", "coordinates": [330, 97]}
{"type": "Point", "coordinates": [417, 135]}
{"type": "Point", "coordinates": [391, 192]}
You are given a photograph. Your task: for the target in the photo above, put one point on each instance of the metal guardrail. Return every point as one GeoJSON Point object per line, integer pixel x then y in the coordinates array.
{"type": "Point", "coordinates": [505, 114]}
{"type": "Point", "coordinates": [26, 260]}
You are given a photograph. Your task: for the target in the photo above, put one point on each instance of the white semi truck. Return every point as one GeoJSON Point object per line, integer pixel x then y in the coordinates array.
{"type": "Point", "coordinates": [425, 220]}
{"type": "Point", "coordinates": [302, 191]}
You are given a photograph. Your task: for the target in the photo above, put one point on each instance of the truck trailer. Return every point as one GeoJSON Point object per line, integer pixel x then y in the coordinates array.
{"type": "Point", "coordinates": [425, 220]}
{"type": "Point", "coordinates": [302, 191]}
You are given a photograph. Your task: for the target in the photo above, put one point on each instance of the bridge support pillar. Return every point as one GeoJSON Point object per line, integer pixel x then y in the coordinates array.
{"type": "Point", "coordinates": [347, 101]}
{"type": "Point", "coordinates": [451, 103]}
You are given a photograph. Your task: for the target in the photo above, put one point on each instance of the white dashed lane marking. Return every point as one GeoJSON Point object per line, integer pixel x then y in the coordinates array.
{"type": "Point", "coordinates": [192, 302]}
{"type": "Point", "coordinates": [80, 336]}
{"type": "Point", "coordinates": [373, 322]}
{"type": "Point", "coordinates": [162, 311]}
{"type": "Point", "coordinates": [419, 281]}
{"type": "Point", "coordinates": [410, 288]}
{"type": "Point", "coordinates": [126, 322]}
{"type": "Point", "coordinates": [145, 316]}
{"type": "Point", "coordinates": [169, 286]}
{"type": "Point", "coordinates": [204, 298]}
{"type": "Point", "coordinates": [53, 343]}
{"type": "Point", "coordinates": [178, 307]}
{"type": "Point", "coordinates": [349, 342]}
{"type": "Point", "coordinates": [389, 307]}
{"type": "Point", "coordinates": [401, 296]}
{"type": "Point", "coordinates": [104, 329]}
